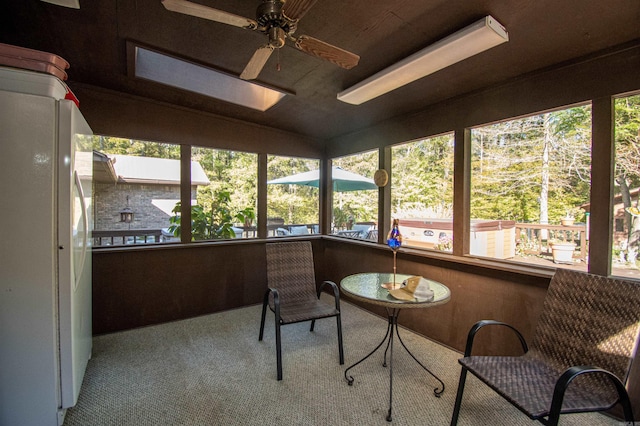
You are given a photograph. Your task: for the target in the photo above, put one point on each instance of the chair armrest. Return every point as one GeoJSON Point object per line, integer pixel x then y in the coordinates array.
{"type": "Point", "coordinates": [276, 300]}
{"type": "Point", "coordinates": [336, 292]}
{"type": "Point", "coordinates": [480, 324]}
{"type": "Point", "coordinates": [562, 384]}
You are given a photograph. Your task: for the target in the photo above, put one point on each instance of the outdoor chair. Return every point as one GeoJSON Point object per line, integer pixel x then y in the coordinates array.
{"type": "Point", "coordinates": [292, 295]}
{"type": "Point", "coordinates": [580, 356]}
{"type": "Point", "coordinates": [362, 229]}
{"type": "Point", "coordinates": [281, 232]}
{"type": "Point", "coordinates": [299, 230]}
{"type": "Point", "coordinates": [372, 235]}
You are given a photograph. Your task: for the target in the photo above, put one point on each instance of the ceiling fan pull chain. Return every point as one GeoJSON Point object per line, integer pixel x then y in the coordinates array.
{"type": "Point", "coordinates": [278, 60]}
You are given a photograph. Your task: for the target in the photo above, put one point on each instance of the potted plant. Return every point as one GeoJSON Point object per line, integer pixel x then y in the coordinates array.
{"type": "Point", "coordinates": [342, 217]}
{"type": "Point", "coordinates": [246, 216]}
{"type": "Point", "coordinates": [567, 220]}
{"type": "Point", "coordinates": [570, 217]}
{"type": "Point", "coordinates": [561, 249]}
{"type": "Point", "coordinates": [211, 224]}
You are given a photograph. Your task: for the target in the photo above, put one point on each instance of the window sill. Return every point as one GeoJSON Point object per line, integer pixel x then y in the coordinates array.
{"type": "Point", "coordinates": [467, 261]}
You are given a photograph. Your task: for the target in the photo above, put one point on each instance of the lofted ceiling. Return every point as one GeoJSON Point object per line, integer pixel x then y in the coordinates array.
{"type": "Point", "coordinates": [542, 33]}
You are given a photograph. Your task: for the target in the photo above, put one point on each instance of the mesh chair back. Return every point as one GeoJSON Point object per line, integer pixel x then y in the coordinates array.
{"type": "Point", "coordinates": [290, 270]}
{"type": "Point", "coordinates": [588, 320]}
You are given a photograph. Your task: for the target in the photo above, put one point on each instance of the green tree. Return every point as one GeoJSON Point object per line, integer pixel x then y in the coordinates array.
{"type": "Point", "coordinates": [123, 146]}
{"type": "Point", "coordinates": [359, 206]}
{"type": "Point", "coordinates": [532, 169]}
{"type": "Point", "coordinates": [627, 172]}
{"type": "Point", "coordinates": [229, 171]}
{"type": "Point", "coordinates": [422, 178]}
{"type": "Point", "coordinates": [293, 203]}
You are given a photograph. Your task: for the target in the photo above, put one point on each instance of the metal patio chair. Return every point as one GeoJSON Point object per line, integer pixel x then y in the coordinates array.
{"type": "Point", "coordinates": [580, 356]}
{"type": "Point", "coordinates": [292, 295]}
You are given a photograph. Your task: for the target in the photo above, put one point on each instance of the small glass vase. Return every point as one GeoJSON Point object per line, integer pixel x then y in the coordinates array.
{"type": "Point", "coordinates": [394, 241]}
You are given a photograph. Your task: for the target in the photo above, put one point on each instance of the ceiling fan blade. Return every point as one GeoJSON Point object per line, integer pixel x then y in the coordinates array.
{"type": "Point", "coordinates": [296, 9]}
{"type": "Point", "coordinates": [256, 63]}
{"type": "Point", "coordinates": [322, 50]}
{"type": "Point", "coordinates": [200, 11]}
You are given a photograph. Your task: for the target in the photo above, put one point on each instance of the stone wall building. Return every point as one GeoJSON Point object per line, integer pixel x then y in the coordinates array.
{"type": "Point", "coordinates": [150, 187]}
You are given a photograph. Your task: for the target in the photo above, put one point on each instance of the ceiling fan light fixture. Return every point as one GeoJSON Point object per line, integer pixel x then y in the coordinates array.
{"type": "Point", "coordinates": [469, 41]}
{"type": "Point", "coordinates": [276, 37]}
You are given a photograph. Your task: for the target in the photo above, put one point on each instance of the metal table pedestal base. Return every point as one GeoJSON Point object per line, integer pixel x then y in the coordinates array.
{"type": "Point", "coordinates": [392, 330]}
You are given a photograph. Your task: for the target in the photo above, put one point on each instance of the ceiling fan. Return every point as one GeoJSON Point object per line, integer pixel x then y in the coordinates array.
{"type": "Point", "coordinates": [278, 19]}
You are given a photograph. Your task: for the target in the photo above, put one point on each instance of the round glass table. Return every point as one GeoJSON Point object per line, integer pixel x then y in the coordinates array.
{"type": "Point", "coordinates": [370, 288]}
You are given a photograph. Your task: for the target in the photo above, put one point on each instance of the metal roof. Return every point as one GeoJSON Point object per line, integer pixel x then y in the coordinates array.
{"type": "Point", "coordinates": [133, 169]}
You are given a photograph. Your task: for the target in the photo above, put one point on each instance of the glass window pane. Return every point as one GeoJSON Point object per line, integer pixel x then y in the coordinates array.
{"type": "Point", "coordinates": [626, 213]}
{"type": "Point", "coordinates": [355, 196]}
{"type": "Point", "coordinates": [530, 187]}
{"type": "Point", "coordinates": [137, 184]}
{"type": "Point", "coordinates": [293, 196]}
{"type": "Point", "coordinates": [224, 194]}
{"type": "Point", "coordinates": [422, 192]}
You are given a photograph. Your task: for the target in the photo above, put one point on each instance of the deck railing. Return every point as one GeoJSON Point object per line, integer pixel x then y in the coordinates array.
{"type": "Point", "coordinates": [126, 237]}
{"type": "Point", "coordinates": [536, 238]}
{"type": "Point", "coordinates": [531, 238]}
{"type": "Point", "coordinates": [155, 236]}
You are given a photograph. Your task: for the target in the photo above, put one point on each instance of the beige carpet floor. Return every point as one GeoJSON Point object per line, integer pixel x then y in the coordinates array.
{"type": "Point", "coordinates": [212, 370]}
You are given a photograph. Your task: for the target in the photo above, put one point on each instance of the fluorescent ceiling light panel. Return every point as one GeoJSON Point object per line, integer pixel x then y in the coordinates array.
{"type": "Point", "coordinates": [478, 37]}
{"type": "Point", "coordinates": [206, 81]}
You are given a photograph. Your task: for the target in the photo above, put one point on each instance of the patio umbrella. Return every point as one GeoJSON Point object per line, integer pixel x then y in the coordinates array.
{"type": "Point", "coordinates": [342, 180]}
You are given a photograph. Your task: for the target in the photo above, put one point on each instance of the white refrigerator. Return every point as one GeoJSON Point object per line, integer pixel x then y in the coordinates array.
{"type": "Point", "coordinates": [45, 253]}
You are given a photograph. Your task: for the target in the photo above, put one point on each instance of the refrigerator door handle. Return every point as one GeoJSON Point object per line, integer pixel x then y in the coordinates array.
{"type": "Point", "coordinates": [85, 223]}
